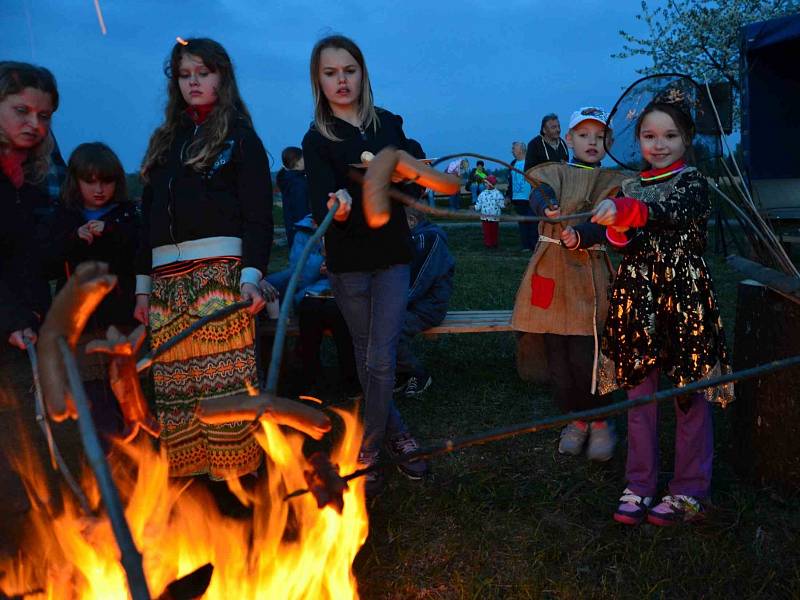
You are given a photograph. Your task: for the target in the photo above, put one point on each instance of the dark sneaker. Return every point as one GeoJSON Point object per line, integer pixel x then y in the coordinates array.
{"type": "Point", "coordinates": [632, 508]}
{"type": "Point", "coordinates": [417, 383]}
{"type": "Point", "coordinates": [601, 441]}
{"type": "Point", "coordinates": [675, 509]}
{"type": "Point", "coordinates": [374, 480]}
{"type": "Point", "coordinates": [400, 383]}
{"type": "Point", "coordinates": [573, 438]}
{"type": "Point", "coordinates": [403, 444]}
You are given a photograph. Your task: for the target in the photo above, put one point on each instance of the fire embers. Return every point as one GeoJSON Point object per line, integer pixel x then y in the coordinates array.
{"type": "Point", "coordinates": [324, 482]}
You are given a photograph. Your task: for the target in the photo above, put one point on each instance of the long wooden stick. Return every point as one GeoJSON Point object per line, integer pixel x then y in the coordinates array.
{"type": "Point", "coordinates": [510, 431]}
{"type": "Point", "coordinates": [130, 557]}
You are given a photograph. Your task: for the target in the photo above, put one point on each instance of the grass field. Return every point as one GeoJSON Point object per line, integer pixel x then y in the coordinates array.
{"type": "Point", "coordinates": [517, 520]}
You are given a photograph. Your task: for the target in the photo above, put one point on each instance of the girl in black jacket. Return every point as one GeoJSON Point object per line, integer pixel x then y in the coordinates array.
{"type": "Point", "coordinates": [368, 267]}
{"type": "Point", "coordinates": [97, 222]}
{"type": "Point", "coordinates": [207, 215]}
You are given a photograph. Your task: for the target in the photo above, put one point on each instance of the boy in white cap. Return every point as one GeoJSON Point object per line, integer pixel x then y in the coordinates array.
{"type": "Point", "coordinates": [564, 293]}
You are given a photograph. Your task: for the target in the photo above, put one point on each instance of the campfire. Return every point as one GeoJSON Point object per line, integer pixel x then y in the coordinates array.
{"type": "Point", "coordinates": [286, 550]}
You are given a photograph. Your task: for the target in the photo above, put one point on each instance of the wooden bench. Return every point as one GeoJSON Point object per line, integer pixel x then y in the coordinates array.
{"type": "Point", "coordinates": [456, 321]}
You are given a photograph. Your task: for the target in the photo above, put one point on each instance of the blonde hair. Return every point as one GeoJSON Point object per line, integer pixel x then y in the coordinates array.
{"type": "Point", "coordinates": [203, 150]}
{"type": "Point", "coordinates": [323, 115]}
{"type": "Point", "coordinates": [14, 78]}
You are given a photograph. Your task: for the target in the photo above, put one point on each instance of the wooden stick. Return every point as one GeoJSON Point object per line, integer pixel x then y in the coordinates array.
{"type": "Point", "coordinates": [130, 557]}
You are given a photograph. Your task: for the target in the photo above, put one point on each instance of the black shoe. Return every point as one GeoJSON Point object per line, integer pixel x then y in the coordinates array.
{"type": "Point", "coordinates": [417, 383]}
{"type": "Point", "coordinates": [400, 383]}
{"type": "Point", "coordinates": [401, 445]}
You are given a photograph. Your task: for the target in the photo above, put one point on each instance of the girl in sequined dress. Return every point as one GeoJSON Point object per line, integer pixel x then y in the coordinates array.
{"type": "Point", "coordinates": [663, 316]}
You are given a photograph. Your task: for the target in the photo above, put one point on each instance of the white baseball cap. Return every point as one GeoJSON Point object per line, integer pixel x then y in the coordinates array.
{"type": "Point", "coordinates": [588, 113]}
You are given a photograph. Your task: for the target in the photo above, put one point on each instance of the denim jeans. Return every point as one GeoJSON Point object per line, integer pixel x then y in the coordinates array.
{"type": "Point", "coordinates": [476, 188]}
{"type": "Point", "coordinates": [374, 305]}
{"type": "Point", "coordinates": [528, 232]}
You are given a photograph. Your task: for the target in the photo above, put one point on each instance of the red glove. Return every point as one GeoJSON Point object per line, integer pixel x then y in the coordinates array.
{"type": "Point", "coordinates": [630, 212]}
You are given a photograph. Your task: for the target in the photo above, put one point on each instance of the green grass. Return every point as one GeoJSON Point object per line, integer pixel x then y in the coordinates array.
{"type": "Point", "coordinates": [517, 520]}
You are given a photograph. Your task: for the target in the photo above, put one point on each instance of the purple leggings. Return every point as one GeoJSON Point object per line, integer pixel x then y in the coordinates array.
{"type": "Point", "coordinates": [694, 445]}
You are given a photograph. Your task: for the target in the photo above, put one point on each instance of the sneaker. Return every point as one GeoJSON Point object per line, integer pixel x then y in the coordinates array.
{"type": "Point", "coordinates": [573, 437]}
{"type": "Point", "coordinates": [676, 509]}
{"type": "Point", "coordinates": [374, 480]}
{"type": "Point", "coordinates": [632, 508]}
{"type": "Point", "coordinates": [417, 383]}
{"type": "Point", "coordinates": [401, 445]}
{"type": "Point", "coordinates": [400, 383]}
{"type": "Point", "coordinates": [601, 441]}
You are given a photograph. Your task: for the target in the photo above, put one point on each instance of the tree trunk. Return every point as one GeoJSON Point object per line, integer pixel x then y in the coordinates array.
{"type": "Point", "coordinates": [766, 414]}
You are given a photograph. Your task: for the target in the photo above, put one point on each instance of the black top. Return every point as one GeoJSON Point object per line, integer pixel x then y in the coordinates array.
{"type": "Point", "coordinates": [352, 245]}
{"type": "Point", "coordinates": [231, 198]}
{"type": "Point", "coordinates": [116, 246]}
{"type": "Point", "coordinates": [539, 151]}
{"type": "Point", "coordinates": [24, 292]}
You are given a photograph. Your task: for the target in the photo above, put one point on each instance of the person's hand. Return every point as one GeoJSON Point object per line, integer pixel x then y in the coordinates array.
{"type": "Point", "coordinates": [605, 213]}
{"type": "Point", "coordinates": [569, 237]}
{"type": "Point", "coordinates": [268, 291]}
{"type": "Point", "coordinates": [345, 204]}
{"type": "Point", "coordinates": [17, 338]}
{"type": "Point", "coordinates": [251, 292]}
{"type": "Point", "coordinates": [552, 212]}
{"type": "Point", "coordinates": [96, 227]}
{"type": "Point", "coordinates": [141, 311]}
{"type": "Point", "coordinates": [85, 233]}
{"type": "Point", "coordinates": [620, 228]}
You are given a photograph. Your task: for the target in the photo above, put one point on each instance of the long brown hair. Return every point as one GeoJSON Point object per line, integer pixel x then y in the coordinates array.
{"type": "Point", "coordinates": [90, 160]}
{"type": "Point", "coordinates": [14, 78]}
{"type": "Point", "coordinates": [323, 115]}
{"type": "Point", "coordinates": [201, 153]}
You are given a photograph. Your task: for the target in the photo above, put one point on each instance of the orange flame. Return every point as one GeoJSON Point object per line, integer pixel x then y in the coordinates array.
{"type": "Point", "coordinates": [286, 550]}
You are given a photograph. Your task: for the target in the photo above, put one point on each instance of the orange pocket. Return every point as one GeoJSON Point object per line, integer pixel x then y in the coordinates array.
{"type": "Point", "coordinates": [542, 289]}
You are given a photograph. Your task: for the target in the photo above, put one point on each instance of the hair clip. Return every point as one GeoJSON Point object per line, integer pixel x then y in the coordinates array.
{"type": "Point", "coordinates": [181, 41]}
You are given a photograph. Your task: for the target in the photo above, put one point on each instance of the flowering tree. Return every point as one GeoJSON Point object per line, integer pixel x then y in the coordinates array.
{"type": "Point", "coordinates": [699, 37]}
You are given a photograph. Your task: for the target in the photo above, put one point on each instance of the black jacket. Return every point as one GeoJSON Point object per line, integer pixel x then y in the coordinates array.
{"type": "Point", "coordinates": [231, 198]}
{"type": "Point", "coordinates": [116, 246]}
{"type": "Point", "coordinates": [540, 151]}
{"type": "Point", "coordinates": [294, 195]}
{"type": "Point", "coordinates": [351, 245]}
{"type": "Point", "coordinates": [24, 291]}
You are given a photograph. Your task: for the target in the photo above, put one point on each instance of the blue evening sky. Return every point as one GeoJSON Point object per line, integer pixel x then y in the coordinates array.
{"type": "Point", "coordinates": [465, 76]}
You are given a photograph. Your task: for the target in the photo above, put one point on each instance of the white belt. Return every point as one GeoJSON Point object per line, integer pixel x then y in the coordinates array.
{"type": "Point", "coordinates": [197, 249]}
{"type": "Point", "coordinates": [549, 240]}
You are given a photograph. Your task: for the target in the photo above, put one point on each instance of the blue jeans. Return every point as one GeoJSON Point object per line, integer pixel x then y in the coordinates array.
{"type": "Point", "coordinates": [476, 188]}
{"type": "Point", "coordinates": [373, 304]}
{"type": "Point", "coordinates": [528, 232]}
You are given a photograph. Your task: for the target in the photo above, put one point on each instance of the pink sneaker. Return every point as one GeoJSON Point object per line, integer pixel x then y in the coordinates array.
{"type": "Point", "coordinates": [676, 509]}
{"type": "Point", "coordinates": [632, 508]}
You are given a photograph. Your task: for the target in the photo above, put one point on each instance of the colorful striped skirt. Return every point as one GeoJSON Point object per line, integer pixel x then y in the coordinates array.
{"type": "Point", "coordinates": [217, 360]}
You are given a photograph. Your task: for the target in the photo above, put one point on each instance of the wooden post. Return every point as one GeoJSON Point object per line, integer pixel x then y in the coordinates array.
{"type": "Point", "coordinates": [766, 414]}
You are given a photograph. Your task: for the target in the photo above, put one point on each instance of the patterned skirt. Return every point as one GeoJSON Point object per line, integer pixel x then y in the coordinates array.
{"type": "Point", "coordinates": [217, 360]}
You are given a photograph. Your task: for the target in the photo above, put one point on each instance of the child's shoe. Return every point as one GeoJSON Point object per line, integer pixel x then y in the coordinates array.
{"type": "Point", "coordinates": [632, 508]}
{"type": "Point", "coordinates": [417, 383]}
{"type": "Point", "coordinates": [676, 509]}
{"type": "Point", "coordinates": [401, 445]}
{"type": "Point", "coordinates": [374, 480]}
{"type": "Point", "coordinates": [573, 438]}
{"type": "Point", "coordinates": [602, 440]}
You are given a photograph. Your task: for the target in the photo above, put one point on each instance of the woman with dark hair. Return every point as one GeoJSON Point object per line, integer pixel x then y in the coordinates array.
{"type": "Point", "coordinates": [548, 145]}
{"type": "Point", "coordinates": [207, 213]}
{"type": "Point", "coordinates": [28, 99]}
{"type": "Point", "coordinates": [368, 268]}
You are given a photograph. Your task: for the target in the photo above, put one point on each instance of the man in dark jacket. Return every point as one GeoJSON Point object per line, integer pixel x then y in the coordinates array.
{"type": "Point", "coordinates": [548, 145]}
{"type": "Point", "coordinates": [292, 182]}
{"type": "Point", "coordinates": [430, 288]}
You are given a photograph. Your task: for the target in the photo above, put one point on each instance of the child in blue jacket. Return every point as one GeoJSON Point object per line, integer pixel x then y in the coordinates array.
{"type": "Point", "coordinates": [430, 288]}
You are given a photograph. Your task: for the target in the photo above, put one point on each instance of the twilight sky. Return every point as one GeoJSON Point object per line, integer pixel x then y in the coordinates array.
{"type": "Point", "coordinates": [465, 75]}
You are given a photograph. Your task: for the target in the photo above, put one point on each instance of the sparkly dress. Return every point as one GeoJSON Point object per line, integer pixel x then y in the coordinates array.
{"type": "Point", "coordinates": [663, 311]}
